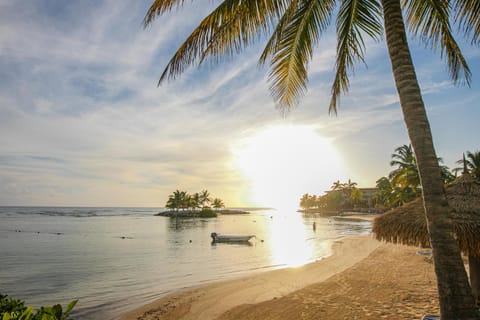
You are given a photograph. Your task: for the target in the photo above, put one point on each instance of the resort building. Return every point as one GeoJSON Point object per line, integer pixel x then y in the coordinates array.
{"type": "Point", "coordinates": [367, 195]}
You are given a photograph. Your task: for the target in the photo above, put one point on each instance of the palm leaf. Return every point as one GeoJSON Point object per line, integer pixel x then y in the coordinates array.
{"type": "Point", "coordinates": [293, 49]}
{"type": "Point", "coordinates": [160, 7]}
{"type": "Point", "coordinates": [229, 28]}
{"type": "Point", "coordinates": [250, 19]}
{"type": "Point", "coordinates": [273, 43]}
{"type": "Point", "coordinates": [467, 13]}
{"type": "Point", "coordinates": [429, 19]}
{"type": "Point", "coordinates": [354, 18]}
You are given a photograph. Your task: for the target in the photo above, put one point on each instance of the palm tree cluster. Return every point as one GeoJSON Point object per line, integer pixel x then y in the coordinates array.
{"type": "Point", "coordinates": [342, 196]}
{"type": "Point", "coordinates": [185, 201]}
{"type": "Point", "coordinates": [403, 184]}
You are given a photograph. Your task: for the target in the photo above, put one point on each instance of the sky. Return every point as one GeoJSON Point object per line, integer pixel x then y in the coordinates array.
{"type": "Point", "coordinates": [83, 123]}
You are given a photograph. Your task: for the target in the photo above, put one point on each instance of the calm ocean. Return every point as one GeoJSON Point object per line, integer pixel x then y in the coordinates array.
{"type": "Point", "coordinates": [115, 259]}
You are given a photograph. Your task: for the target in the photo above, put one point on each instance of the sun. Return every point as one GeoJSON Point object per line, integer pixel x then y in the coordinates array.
{"type": "Point", "coordinates": [281, 163]}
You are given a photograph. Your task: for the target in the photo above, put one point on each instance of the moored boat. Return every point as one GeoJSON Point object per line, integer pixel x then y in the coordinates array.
{"type": "Point", "coordinates": [217, 237]}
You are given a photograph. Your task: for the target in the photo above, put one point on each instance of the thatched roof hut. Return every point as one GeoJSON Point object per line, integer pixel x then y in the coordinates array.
{"type": "Point", "coordinates": [407, 224]}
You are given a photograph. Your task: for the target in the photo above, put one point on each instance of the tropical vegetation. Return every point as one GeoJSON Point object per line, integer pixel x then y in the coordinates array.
{"type": "Point", "coordinates": [400, 186]}
{"type": "Point", "coordinates": [15, 309]}
{"type": "Point", "coordinates": [185, 201]}
{"type": "Point", "coordinates": [342, 196]}
{"type": "Point", "coordinates": [184, 204]}
{"type": "Point", "coordinates": [294, 28]}
{"type": "Point", "coordinates": [403, 183]}
{"type": "Point", "coordinates": [470, 164]}
{"type": "Point", "coordinates": [218, 203]}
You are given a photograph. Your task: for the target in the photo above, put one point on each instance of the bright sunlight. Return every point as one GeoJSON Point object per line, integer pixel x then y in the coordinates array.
{"type": "Point", "coordinates": [283, 162]}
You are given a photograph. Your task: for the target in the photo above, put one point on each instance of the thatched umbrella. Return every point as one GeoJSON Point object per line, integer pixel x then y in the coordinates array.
{"type": "Point", "coordinates": [407, 224]}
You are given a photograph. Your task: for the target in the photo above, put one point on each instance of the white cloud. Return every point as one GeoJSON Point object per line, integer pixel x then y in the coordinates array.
{"type": "Point", "coordinates": [80, 85]}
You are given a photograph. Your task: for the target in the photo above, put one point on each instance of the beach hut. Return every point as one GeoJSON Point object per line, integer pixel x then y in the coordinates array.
{"type": "Point", "coordinates": [407, 224]}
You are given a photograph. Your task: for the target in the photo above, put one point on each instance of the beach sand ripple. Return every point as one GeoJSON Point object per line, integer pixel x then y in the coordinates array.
{"type": "Point", "coordinates": [392, 283]}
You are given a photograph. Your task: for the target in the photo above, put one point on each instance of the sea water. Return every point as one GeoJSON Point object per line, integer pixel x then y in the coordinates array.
{"type": "Point", "coordinates": [116, 259]}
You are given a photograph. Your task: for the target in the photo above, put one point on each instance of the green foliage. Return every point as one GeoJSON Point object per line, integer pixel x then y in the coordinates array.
{"type": "Point", "coordinates": [207, 213]}
{"type": "Point", "coordinates": [14, 309]}
{"type": "Point", "coordinates": [294, 29]}
{"type": "Point", "coordinates": [343, 196]}
{"type": "Point", "coordinates": [218, 203]}
{"type": "Point", "coordinates": [403, 183]}
{"type": "Point", "coordinates": [10, 306]}
{"type": "Point", "coordinates": [470, 163]}
{"type": "Point", "coordinates": [183, 200]}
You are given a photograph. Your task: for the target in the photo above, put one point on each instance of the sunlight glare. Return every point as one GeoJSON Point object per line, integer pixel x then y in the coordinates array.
{"type": "Point", "coordinates": [282, 163]}
{"type": "Point", "coordinates": [288, 241]}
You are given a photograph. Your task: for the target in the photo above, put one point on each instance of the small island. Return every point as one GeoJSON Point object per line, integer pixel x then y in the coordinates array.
{"type": "Point", "coordinates": [181, 204]}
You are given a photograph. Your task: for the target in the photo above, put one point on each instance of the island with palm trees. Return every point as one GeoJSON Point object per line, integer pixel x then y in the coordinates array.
{"type": "Point", "coordinates": [197, 205]}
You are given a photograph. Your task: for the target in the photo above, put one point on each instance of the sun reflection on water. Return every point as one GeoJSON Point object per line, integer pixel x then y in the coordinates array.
{"type": "Point", "coordinates": [288, 239]}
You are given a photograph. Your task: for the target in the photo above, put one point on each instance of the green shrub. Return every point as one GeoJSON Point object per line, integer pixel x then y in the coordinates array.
{"type": "Point", "coordinates": [207, 213]}
{"type": "Point", "coordinates": [14, 309]}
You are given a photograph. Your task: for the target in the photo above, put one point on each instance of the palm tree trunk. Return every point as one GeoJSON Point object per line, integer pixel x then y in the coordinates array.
{"type": "Point", "coordinates": [455, 294]}
{"type": "Point", "coordinates": [474, 266]}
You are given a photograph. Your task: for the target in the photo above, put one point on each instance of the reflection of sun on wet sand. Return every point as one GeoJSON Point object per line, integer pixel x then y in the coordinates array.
{"type": "Point", "coordinates": [363, 279]}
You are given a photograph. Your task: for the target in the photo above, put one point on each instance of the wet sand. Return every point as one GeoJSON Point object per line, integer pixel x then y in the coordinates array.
{"type": "Point", "coordinates": [363, 279]}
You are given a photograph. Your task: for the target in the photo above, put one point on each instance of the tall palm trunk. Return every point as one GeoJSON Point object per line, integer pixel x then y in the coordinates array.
{"type": "Point", "coordinates": [456, 300]}
{"type": "Point", "coordinates": [474, 266]}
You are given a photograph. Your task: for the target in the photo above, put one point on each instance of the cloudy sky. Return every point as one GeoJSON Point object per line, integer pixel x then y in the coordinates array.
{"type": "Point", "coordinates": [82, 122]}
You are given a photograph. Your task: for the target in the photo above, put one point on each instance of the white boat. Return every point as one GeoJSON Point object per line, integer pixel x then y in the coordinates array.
{"type": "Point", "coordinates": [217, 237]}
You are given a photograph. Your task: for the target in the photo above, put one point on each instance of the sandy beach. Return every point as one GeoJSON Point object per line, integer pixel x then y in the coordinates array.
{"type": "Point", "coordinates": [363, 279]}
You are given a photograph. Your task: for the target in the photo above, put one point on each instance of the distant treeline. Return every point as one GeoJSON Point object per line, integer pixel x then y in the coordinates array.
{"type": "Point", "coordinates": [402, 184]}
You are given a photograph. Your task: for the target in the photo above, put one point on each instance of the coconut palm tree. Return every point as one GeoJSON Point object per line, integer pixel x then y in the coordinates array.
{"type": "Point", "coordinates": [337, 185]}
{"type": "Point", "coordinates": [204, 198]}
{"type": "Point", "coordinates": [218, 203]}
{"type": "Point", "coordinates": [179, 199]}
{"type": "Point", "coordinates": [295, 26]}
{"type": "Point", "coordinates": [176, 200]}
{"type": "Point", "coordinates": [308, 201]}
{"type": "Point", "coordinates": [406, 175]}
{"type": "Point", "coordinates": [356, 196]}
{"type": "Point", "coordinates": [195, 201]}
{"type": "Point", "coordinates": [349, 185]}
{"type": "Point", "coordinates": [304, 201]}
{"type": "Point", "coordinates": [447, 175]}
{"type": "Point", "coordinates": [171, 204]}
{"type": "Point", "coordinates": [471, 163]}
{"type": "Point", "coordinates": [382, 197]}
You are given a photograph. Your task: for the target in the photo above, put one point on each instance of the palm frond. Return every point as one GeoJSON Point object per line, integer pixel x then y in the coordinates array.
{"type": "Point", "coordinates": [228, 29]}
{"type": "Point", "coordinates": [160, 7]}
{"type": "Point", "coordinates": [292, 51]}
{"type": "Point", "coordinates": [273, 43]}
{"type": "Point", "coordinates": [250, 19]}
{"type": "Point", "coordinates": [354, 18]}
{"type": "Point", "coordinates": [429, 19]}
{"type": "Point", "coordinates": [467, 13]}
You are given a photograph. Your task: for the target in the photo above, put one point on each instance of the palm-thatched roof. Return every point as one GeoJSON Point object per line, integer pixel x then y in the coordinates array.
{"type": "Point", "coordinates": [407, 224]}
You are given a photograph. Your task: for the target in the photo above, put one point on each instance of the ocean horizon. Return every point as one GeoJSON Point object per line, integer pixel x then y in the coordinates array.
{"type": "Point", "coordinates": [114, 259]}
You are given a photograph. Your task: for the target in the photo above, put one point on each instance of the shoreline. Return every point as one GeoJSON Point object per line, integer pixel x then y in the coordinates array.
{"type": "Point", "coordinates": [211, 300]}
{"type": "Point", "coordinates": [364, 217]}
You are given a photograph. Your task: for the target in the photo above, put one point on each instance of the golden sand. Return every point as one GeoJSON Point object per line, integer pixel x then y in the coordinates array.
{"type": "Point", "coordinates": [363, 279]}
